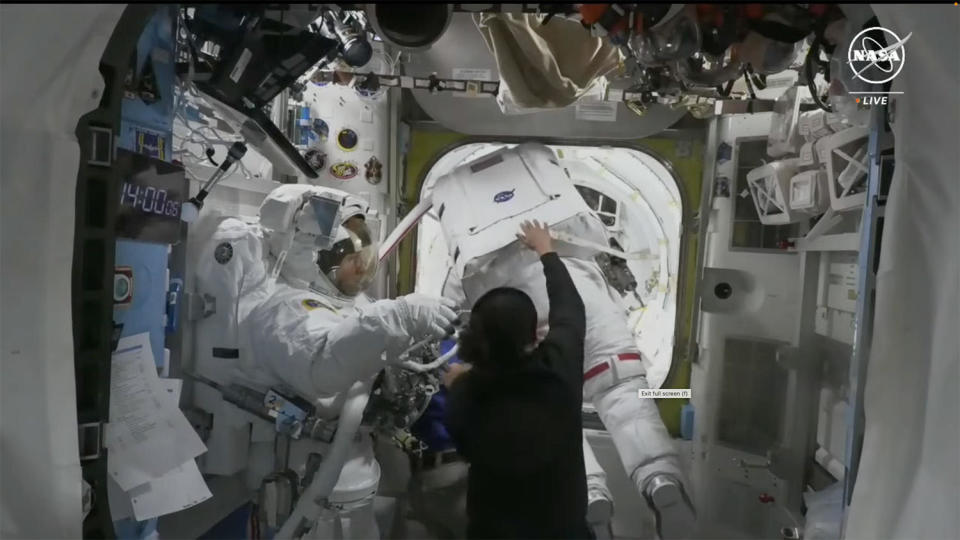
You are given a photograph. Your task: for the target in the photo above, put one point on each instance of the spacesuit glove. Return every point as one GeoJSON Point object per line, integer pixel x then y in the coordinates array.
{"type": "Point", "coordinates": [427, 316]}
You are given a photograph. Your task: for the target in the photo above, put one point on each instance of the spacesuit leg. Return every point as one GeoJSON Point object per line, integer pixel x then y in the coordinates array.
{"type": "Point", "coordinates": [648, 453]}
{"type": "Point", "coordinates": [353, 515]}
{"type": "Point", "coordinates": [599, 500]}
{"type": "Point", "coordinates": [348, 522]}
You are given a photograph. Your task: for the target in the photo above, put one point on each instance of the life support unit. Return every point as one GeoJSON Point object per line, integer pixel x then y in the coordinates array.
{"type": "Point", "coordinates": [480, 207]}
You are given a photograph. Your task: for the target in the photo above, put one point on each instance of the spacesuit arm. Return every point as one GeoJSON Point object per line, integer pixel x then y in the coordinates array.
{"type": "Point", "coordinates": [562, 349]}
{"type": "Point", "coordinates": [361, 345]}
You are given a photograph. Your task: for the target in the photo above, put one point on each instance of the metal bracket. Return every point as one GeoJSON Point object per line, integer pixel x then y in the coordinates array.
{"type": "Point", "coordinates": [91, 440]}
{"type": "Point", "coordinates": [101, 146]}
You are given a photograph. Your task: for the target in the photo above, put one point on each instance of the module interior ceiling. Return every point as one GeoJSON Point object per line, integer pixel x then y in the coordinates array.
{"type": "Point", "coordinates": [462, 46]}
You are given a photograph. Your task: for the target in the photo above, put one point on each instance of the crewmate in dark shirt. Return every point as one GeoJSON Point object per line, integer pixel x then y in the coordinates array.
{"type": "Point", "coordinates": [515, 413]}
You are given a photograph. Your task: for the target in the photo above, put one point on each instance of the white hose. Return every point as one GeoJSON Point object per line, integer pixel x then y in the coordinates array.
{"type": "Point", "coordinates": [405, 226]}
{"type": "Point", "coordinates": [421, 368]}
{"type": "Point", "coordinates": [325, 479]}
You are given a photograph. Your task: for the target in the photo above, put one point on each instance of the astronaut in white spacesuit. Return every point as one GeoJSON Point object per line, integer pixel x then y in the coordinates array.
{"type": "Point", "coordinates": [285, 292]}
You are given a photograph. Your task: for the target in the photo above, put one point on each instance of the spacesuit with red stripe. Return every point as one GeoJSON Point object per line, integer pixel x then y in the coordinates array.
{"type": "Point", "coordinates": [479, 206]}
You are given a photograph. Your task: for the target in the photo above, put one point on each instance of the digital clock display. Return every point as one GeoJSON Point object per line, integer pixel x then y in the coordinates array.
{"type": "Point", "coordinates": [151, 196]}
{"type": "Point", "coordinates": [149, 200]}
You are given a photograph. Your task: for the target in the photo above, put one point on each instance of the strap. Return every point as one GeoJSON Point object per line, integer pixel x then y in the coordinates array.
{"type": "Point", "coordinates": [570, 239]}
{"type": "Point", "coordinates": [605, 366]}
{"type": "Point", "coordinates": [596, 370]}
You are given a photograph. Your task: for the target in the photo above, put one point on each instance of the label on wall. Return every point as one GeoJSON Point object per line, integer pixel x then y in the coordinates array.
{"type": "Point", "coordinates": [471, 74]}
{"type": "Point", "coordinates": [596, 111]}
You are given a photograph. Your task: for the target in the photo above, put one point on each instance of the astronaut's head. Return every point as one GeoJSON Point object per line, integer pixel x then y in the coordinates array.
{"type": "Point", "coordinates": [502, 329]}
{"type": "Point", "coordinates": [321, 238]}
{"type": "Point", "coordinates": [350, 263]}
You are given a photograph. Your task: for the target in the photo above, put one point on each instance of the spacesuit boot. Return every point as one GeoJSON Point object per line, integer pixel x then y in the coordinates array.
{"type": "Point", "coordinates": [599, 500]}
{"type": "Point", "coordinates": [675, 516]}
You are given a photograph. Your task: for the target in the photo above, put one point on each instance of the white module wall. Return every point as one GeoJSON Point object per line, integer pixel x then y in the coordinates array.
{"type": "Point", "coordinates": [344, 111]}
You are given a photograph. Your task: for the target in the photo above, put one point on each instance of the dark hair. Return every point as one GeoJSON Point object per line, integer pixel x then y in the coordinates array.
{"type": "Point", "coordinates": [503, 324]}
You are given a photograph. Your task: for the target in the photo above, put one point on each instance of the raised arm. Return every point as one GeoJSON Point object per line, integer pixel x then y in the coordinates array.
{"type": "Point", "coordinates": [562, 349]}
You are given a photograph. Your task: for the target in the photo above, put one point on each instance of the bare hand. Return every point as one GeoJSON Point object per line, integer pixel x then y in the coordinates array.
{"type": "Point", "coordinates": [453, 372]}
{"type": "Point", "coordinates": [536, 236]}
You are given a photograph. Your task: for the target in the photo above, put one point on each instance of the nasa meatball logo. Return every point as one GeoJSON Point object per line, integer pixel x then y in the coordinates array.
{"type": "Point", "coordinates": [503, 196]}
{"type": "Point", "coordinates": [310, 304]}
{"type": "Point", "coordinates": [223, 253]}
{"type": "Point", "coordinates": [873, 63]}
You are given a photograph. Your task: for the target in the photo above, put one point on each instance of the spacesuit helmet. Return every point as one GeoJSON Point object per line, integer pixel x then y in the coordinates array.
{"type": "Point", "coordinates": [321, 238]}
{"type": "Point", "coordinates": [350, 263]}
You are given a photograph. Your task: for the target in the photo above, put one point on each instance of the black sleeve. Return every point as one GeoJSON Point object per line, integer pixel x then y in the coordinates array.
{"type": "Point", "coordinates": [562, 349]}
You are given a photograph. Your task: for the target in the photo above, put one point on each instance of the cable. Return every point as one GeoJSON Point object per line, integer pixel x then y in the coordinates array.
{"type": "Point", "coordinates": [208, 143]}
{"type": "Point", "coordinates": [814, 54]}
{"type": "Point", "coordinates": [391, 65]}
{"type": "Point", "coordinates": [746, 78]}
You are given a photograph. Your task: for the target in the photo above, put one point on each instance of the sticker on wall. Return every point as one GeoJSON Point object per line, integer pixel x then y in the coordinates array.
{"type": "Point", "coordinates": [347, 139]}
{"type": "Point", "coordinates": [122, 286]}
{"type": "Point", "coordinates": [344, 170]}
{"type": "Point", "coordinates": [316, 158]}
{"type": "Point", "coordinates": [374, 170]}
{"type": "Point", "coordinates": [321, 129]}
{"type": "Point", "coordinates": [471, 75]}
{"type": "Point", "coordinates": [722, 187]}
{"type": "Point", "coordinates": [150, 144]}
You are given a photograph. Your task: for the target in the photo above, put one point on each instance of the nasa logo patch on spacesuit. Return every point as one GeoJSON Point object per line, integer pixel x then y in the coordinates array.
{"type": "Point", "coordinates": [223, 253]}
{"type": "Point", "coordinates": [503, 196]}
{"type": "Point", "coordinates": [310, 304]}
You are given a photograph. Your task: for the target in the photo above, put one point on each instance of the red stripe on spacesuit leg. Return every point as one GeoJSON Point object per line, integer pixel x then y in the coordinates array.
{"type": "Point", "coordinates": [629, 356]}
{"type": "Point", "coordinates": [595, 370]}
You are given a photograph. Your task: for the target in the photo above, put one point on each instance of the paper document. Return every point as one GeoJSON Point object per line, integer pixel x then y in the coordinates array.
{"type": "Point", "coordinates": [172, 389]}
{"type": "Point", "coordinates": [148, 435]}
{"type": "Point", "coordinates": [471, 74]}
{"type": "Point", "coordinates": [177, 490]}
{"type": "Point", "coordinates": [119, 501]}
